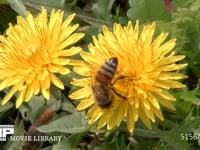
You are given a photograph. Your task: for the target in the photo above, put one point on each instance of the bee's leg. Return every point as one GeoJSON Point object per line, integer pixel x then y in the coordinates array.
{"type": "Point", "coordinates": [113, 89]}
{"type": "Point", "coordinates": [119, 78]}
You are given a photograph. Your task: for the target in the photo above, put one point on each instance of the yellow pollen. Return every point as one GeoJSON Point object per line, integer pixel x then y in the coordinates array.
{"type": "Point", "coordinates": [31, 50]}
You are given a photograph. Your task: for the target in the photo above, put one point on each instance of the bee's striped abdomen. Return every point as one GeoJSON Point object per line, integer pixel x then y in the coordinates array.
{"type": "Point", "coordinates": [107, 71]}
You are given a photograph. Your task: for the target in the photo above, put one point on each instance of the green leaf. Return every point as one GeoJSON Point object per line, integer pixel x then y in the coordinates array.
{"type": "Point", "coordinates": [73, 123]}
{"type": "Point", "coordinates": [69, 143]}
{"type": "Point", "coordinates": [6, 107]}
{"type": "Point", "coordinates": [18, 6]}
{"type": "Point", "coordinates": [174, 32]}
{"type": "Point", "coordinates": [188, 21]}
{"type": "Point", "coordinates": [147, 10]}
{"type": "Point", "coordinates": [47, 148]}
{"type": "Point", "coordinates": [67, 106]}
{"type": "Point", "coordinates": [189, 96]}
{"type": "Point", "coordinates": [103, 7]}
{"type": "Point", "coordinates": [182, 3]}
{"type": "Point", "coordinates": [176, 137]}
{"type": "Point", "coordinates": [197, 134]}
{"type": "Point", "coordinates": [18, 131]}
{"type": "Point", "coordinates": [183, 108]}
{"type": "Point", "coordinates": [3, 1]}
{"type": "Point", "coordinates": [145, 133]}
{"type": "Point", "coordinates": [33, 108]}
{"type": "Point", "coordinates": [118, 143]}
{"type": "Point", "coordinates": [46, 3]}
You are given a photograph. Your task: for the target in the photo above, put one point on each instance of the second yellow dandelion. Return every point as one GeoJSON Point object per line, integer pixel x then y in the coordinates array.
{"type": "Point", "coordinates": [146, 70]}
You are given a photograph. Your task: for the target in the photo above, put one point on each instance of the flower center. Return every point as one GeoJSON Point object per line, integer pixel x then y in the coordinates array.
{"type": "Point", "coordinates": [35, 57]}
{"type": "Point", "coordinates": [131, 86]}
{"type": "Point", "coordinates": [31, 50]}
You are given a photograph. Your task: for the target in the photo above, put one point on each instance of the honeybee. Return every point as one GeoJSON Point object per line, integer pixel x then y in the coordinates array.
{"type": "Point", "coordinates": [102, 88]}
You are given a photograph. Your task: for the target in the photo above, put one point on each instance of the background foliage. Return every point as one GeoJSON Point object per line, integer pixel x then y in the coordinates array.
{"type": "Point", "coordinates": [181, 128]}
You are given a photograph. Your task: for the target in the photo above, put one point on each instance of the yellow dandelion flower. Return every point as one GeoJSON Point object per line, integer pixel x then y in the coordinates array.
{"type": "Point", "coordinates": [33, 51]}
{"type": "Point", "coordinates": [145, 71]}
